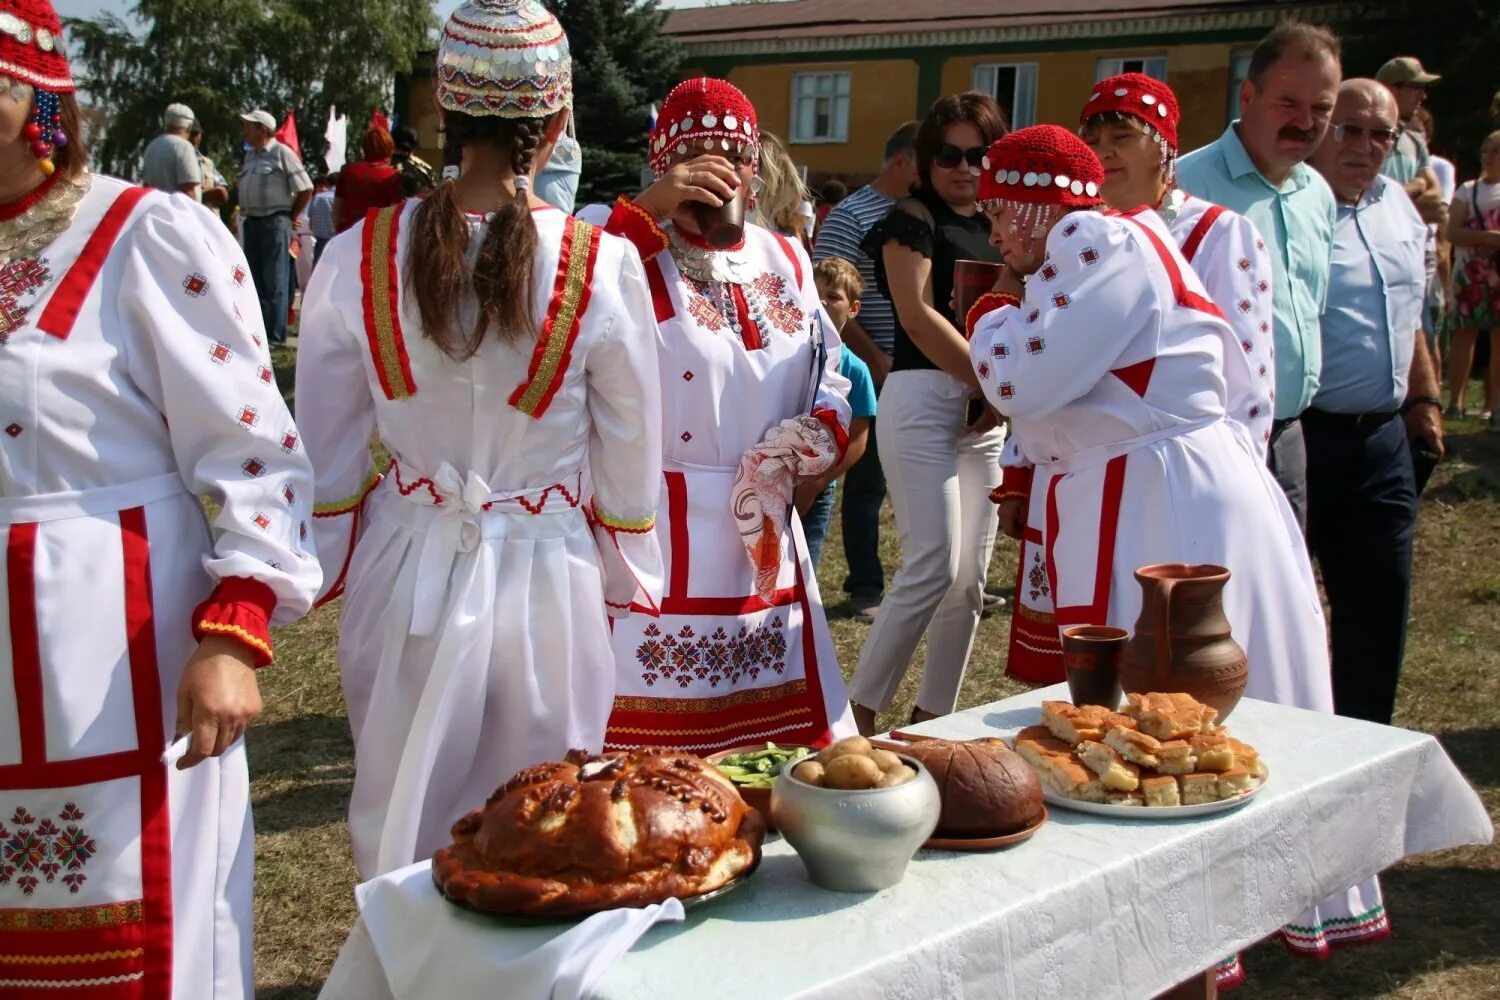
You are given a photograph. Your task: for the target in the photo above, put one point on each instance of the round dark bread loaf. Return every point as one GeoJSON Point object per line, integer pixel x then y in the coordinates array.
{"type": "Point", "coordinates": [987, 789]}
{"type": "Point", "coordinates": [596, 832]}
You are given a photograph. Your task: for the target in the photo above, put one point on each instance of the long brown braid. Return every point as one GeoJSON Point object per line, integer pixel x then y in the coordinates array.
{"type": "Point", "coordinates": [438, 273]}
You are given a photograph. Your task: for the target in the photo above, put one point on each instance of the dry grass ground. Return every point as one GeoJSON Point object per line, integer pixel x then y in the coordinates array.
{"type": "Point", "coordinates": [1445, 907]}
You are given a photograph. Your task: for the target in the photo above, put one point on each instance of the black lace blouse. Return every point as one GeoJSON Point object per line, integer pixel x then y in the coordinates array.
{"type": "Point", "coordinates": [950, 238]}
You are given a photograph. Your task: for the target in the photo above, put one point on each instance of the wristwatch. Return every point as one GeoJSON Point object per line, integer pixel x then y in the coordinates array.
{"type": "Point", "coordinates": [1417, 401]}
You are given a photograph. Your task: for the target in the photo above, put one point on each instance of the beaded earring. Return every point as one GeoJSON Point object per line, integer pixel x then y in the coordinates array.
{"type": "Point", "coordinates": [44, 131]}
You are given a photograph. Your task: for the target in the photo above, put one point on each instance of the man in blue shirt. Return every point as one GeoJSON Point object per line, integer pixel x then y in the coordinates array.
{"type": "Point", "coordinates": [557, 182]}
{"type": "Point", "coordinates": [1376, 370]}
{"type": "Point", "coordinates": [1256, 168]}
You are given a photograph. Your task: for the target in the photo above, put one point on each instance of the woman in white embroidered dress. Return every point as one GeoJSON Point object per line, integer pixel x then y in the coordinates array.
{"type": "Point", "coordinates": [1130, 122]}
{"type": "Point", "coordinates": [1109, 363]}
{"type": "Point", "coordinates": [752, 401]}
{"type": "Point", "coordinates": [499, 349]}
{"type": "Point", "coordinates": [133, 375]}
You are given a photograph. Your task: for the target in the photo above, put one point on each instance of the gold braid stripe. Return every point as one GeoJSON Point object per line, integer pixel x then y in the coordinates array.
{"type": "Point", "coordinates": [712, 730]}
{"type": "Point", "coordinates": [621, 524]}
{"type": "Point", "coordinates": [98, 956]}
{"type": "Point", "coordinates": [382, 302]}
{"type": "Point", "coordinates": [697, 706]}
{"type": "Point", "coordinates": [560, 324]}
{"type": "Point", "coordinates": [1045, 617]}
{"type": "Point", "coordinates": [71, 919]}
{"type": "Point", "coordinates": [350, 503]}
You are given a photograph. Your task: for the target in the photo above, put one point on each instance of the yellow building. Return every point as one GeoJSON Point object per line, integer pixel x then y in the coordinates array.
{"type": "Point", "coordinates": [836, 77]}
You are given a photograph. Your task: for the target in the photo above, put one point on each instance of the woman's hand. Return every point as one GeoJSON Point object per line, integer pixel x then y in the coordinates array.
{"type": "Point", "coordinates": [1013, 516]}
{"type": "Point", "coordinates": [217, 698]}
{"type": "Point", "coordinates": [709, 179]}
{"type": "Point", "coordinates": [807, 491]}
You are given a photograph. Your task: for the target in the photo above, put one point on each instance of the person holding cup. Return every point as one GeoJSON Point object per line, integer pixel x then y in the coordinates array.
{"type": "Point", "coordinates": [753, 403]}
{"type": "Point", "coordinates": [940, 447]}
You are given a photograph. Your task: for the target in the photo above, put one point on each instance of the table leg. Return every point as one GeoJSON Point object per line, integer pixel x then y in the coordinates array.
{"type": "Point", "coordinates": [1203, 987]}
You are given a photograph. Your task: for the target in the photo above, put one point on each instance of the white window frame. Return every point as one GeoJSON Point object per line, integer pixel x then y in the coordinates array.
{"type": "Point", "coordinates": [813, 86]}
{"type": "Point", "coordinates": [1022, 104]}
{"type": "Point", "coordinates": [1239, 71]}
{"type": "Point", "coordinates": [1153, 66]}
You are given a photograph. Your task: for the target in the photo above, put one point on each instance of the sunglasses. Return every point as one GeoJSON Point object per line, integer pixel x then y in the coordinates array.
{"type": "Point", "coordinates": [949, 156]}
{"type": "Point", "coordinates": [1380, 137]}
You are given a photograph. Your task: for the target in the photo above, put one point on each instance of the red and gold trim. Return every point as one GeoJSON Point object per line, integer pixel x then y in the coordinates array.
{"type": "Point", "coordinates": [351, 503]}
{"type": "Point", "coordinates": [641, 526]}
{"type": "Point", "coordinates": [239, 608]}
{"type": "Point", "coordinates": [570, 299]}
{"type": "Point", "coordinates": [1015, 483]}
{"type": "Point", "coordinates": [986, 303]}
{"type": "Point", "coordinates": [638, 226]}
{"type": "Point", "coordinates": [1106, 531]}
{"type": "Point", "coordinates": [381, 278]}
{"type": "Point", "coordinates": [1195, 238]}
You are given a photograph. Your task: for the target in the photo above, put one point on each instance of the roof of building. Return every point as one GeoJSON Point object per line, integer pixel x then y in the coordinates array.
{"type": "Point", "coordinates": [809, 25]}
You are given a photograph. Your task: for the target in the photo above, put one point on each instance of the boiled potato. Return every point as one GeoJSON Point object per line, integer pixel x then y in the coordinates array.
{"type": "Point", "coordinates": [847, 745]}
{"type": "Point", "coordinates": [809, 771]}
{"type": "Point", "coordinates": [899, 775]}
{"type": "Point", "coordinates": [851, 771]}
{"type": "Point", "coordinates": [885, 760]}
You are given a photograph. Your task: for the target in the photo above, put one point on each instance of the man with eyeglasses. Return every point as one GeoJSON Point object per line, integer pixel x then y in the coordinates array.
{"type": "Point", "coordinates": [1377, 403]}
{"type": "Point", "coordinates": [1257, 168]}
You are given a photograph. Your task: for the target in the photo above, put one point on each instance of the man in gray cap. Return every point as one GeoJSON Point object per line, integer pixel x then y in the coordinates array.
{"type": "Point", "coordinates": [170, 162]}
{"type": "Point", "coordinates": [274, 190]}
{"type": "Point", "coordinates": [1408, 163]}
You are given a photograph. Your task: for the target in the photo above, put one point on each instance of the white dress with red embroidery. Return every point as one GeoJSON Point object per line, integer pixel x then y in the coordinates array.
{"type": "Point", "coordinates": [1230, 259]}
{"type": "Point", "coordinates": [519, 500]}
{"type": "Point", "coordinates": [1111, 371]}
{"type": "Point", "coordinates": [722, 665]}
{"type": "Point", "coordinates": [133, 375]}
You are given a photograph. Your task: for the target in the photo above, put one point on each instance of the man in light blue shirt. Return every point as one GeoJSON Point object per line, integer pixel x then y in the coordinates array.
{"type": "Point", "coordinates": [557, 182]}
{"type": "Point", "coordinates": [1362, 490]}
{"type": "Point", "coordinates": [1256, 168]}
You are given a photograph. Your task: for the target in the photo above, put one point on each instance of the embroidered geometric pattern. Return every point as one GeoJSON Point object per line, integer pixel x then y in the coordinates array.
{"type": "Point", "coordinates": [1049, 272]}
{"type": "Point", "coordinates": [261, 521]}
{"type": "Point", "coordinates": [704, 312]}
{"type": "Point", "coordinates": [44, 848]}
{"type": "Point", "coordinates": [248, 417]}
{"type": "Point", "coordinates": [71, 918]}
{"type": "Point", "coordinates": [983, 368]}
{"type": "Point", "coordinates": [1243, 263]}
{"type": "Point", "coordinates": [17, 279]}
{"type": "Point", "coordinates": [195, 285]}
{"type": "Point", "coordinates": [718, 657]}
{"type": "Point", "coordinates": [239, 275]}
{"type": "Point", "coordinates": [1088, 255]}
{"type": "Point", "coordinates": [220, 353]}
{"type": "Point", "coordinates": [1036, 578]}
{"type": "Point", "coordinates": [1033, 316]}
{"type": "Point", "coordinates": [1061, 301]}
{"type": "Point", "coordinates": [252, 467]}
{"type": "Point", "coordinates": [1036, 345]}
{"type": "Point", "coordinates": [1007, 390]}
{"type": "Point", "coordinates": [265, 374]}
{"type": "Point", "coordinates": [289, 442]}
{"type": "Point", "coordinates": [1000, 351]}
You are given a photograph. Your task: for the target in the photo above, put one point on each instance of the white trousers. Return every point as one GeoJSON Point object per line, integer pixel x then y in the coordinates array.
{"type": "Point", "coordinates": [939, 478]}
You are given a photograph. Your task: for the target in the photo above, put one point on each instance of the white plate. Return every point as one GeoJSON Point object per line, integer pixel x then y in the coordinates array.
{"type": "Point", "coordinates": [1149, 812]}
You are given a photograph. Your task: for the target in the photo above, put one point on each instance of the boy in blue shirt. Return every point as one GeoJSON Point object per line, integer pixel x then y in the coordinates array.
{"type": "Point", "coordinates": [840, 289]}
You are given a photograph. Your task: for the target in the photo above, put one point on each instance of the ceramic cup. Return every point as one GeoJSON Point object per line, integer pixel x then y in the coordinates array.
{"type": "Point", "coordinates": [1091, 659]}
{"type": "Point", "coordinates": [722, 227]}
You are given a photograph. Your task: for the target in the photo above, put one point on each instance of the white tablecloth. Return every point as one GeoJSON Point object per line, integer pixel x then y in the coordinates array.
{"type": "Point", "coordinates": [1088, 907]}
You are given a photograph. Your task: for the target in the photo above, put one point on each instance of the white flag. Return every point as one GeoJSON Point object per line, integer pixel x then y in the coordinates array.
{"type": "Point", "coordinates": [338, 141]}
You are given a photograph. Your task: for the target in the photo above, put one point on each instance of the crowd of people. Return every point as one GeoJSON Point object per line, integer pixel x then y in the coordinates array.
{"type": "Point", "coordinates": [611, 440]}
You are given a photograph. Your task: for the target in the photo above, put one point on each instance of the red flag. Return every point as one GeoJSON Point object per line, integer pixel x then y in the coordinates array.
{"type": "Point", "coordinates": [379, 120]}
{"type": "Point", "coordinates": [287, 134]}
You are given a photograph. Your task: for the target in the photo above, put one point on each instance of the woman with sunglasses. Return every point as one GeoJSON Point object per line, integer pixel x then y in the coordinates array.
{"type": "Point", "coordinates": [941, 455]}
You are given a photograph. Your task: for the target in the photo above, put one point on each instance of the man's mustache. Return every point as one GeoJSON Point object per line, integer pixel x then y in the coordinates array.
{"type": "Point", "coordinates": [1292, 134]}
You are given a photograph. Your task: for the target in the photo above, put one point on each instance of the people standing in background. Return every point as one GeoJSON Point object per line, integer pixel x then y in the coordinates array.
{"type": "Point", "coordinates": [214, 190]}
{"type": "Point", "coordinates": [1256, 168]}
{"type": "Point", "coordinates": [320, 214]}
{"type": "Point", "coordinates": [1409, 163]}
{"type": "Point", "coordinates": [830, 194]}
{"type": "Point", "coordinates": [557, 183]}
{"type": "Point", "coordinates": [942, 446]}
{"type": "Point", "coordinates": [839, 289]}
{"type": "Point", "coordinates": [170, 162]}
{"type": "Point", "coordinates": [1474, 231]}
{"type": "Point", "coordinates": [369, 182]}
{"type": "Point", "coordinates": [1440, 281]}
{"type": "Point", "coordinates": [417, 175]}
{"type": "Point", "coordinates": [871, 336]}
{"type": "Point", "coordinates": [274, 189]}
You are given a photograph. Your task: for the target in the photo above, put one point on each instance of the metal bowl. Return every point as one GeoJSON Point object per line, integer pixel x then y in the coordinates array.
{"type": "Point", "coordinates": [856, 841]}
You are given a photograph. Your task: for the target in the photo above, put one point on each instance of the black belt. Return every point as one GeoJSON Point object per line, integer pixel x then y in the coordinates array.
{"type": "Point", "coordinates": [1349, 421]}
{"type": "Point", "coordinates": [268, 215]}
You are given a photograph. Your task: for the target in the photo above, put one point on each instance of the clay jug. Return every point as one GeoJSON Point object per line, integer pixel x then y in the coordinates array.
{"type": "Point", "coordinates": [1182, 640]}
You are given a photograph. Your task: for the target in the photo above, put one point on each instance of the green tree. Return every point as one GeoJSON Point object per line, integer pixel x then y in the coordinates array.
{"type": "Point", "coordinates": [1455, 38]}
{"type": "Point", "coordinates": [622, 62]}
{"type": "Point", "coordinates": [222, 57]}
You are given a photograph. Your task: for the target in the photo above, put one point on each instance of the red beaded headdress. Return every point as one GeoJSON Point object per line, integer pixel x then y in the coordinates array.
{"type": "Point", "coordinates": [1041, 165]}
{"type": "Point", "coordinates": [31, 46]}
{"type": "Point", "coordinates": [703, 116]}
{"type": "Point", "coordinates": [1141, 97]}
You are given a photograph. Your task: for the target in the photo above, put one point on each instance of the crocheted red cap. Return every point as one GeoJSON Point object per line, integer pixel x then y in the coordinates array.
{"type": "Point", "coordinates": [703, 116]}
{"type": "Point", "coordinates": [1139, 96]}
{"type": "Point", "coordinates": [1044, 164]}
{"type": "Point", "coordinates": [31, 45]}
